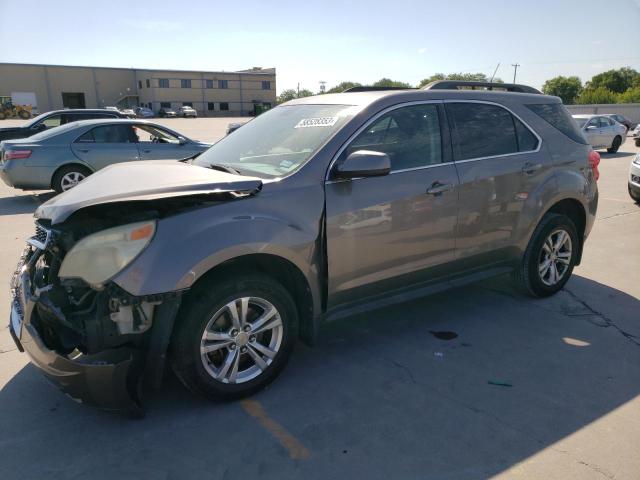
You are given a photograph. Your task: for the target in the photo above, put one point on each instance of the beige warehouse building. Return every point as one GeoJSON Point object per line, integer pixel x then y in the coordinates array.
{"type": "Point", "coordinates": [53, 87]}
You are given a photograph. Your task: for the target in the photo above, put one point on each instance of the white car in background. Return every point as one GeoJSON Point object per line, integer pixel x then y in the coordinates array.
{"type": "Point", "coordinates": [187, 111]}
{"type": "Point", "coordinates": [602, 131]}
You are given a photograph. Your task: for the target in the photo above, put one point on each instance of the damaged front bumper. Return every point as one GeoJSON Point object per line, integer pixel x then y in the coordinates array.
{"type": "Point", "coordinates": [113, 379]}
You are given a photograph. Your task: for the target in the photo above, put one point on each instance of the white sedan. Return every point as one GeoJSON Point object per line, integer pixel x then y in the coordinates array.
{"type": "Point", "coordinates": [602, 132]}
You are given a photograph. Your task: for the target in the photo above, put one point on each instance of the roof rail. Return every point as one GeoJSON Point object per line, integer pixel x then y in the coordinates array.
{"type": "Point", "coordinates": [465, 85]}
{"type": "Point", "coordinates": [374, 89]}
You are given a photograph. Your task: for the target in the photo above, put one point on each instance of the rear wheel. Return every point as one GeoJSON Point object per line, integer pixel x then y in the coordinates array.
{"type": "Point", "coordinates": [68, 177]}
{"type": "Point", "coordinates": [550, 256]}
{"type": "Point", "coordinates": [235, 336]}
{"type": "Point", "coordinates": [615, 145]}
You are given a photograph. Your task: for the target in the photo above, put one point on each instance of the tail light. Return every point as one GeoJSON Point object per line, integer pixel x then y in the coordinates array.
{"type": "Point", "coordinates": [594, 161]}
{"type": "Point", "coordinates": [16, 154]}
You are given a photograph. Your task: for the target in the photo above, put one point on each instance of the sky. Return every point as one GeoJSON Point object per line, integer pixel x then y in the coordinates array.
{"type": "Point", "coordinates": [331, 41]}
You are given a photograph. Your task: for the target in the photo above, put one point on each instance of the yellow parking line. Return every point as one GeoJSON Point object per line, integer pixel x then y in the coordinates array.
{"type": "Point", "coordinates": [296, 450]}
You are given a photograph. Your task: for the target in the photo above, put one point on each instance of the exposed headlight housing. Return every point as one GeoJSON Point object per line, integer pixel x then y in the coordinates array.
{"type": "Point", "coordinates": [637, 159]}
{"type": "Point", "coordinates": [101, 255]}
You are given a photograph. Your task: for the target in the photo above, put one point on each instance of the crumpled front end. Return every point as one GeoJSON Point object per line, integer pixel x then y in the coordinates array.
{"type": "Point", "coordinates": [100, 347]}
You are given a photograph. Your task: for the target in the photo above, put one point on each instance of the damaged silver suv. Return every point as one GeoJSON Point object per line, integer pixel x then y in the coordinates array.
{"type": "Point", "coordinates": [318, 209]}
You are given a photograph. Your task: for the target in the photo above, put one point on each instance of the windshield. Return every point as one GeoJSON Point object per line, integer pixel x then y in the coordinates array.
{"type": "Point", "coordinates": [580, 121]}
{"type": "Point", "coordinates": [37, 119]}
{"type": "Point", "coordinates": [279, 141]}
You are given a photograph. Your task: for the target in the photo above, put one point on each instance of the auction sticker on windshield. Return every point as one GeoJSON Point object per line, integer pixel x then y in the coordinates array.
{"type": "Point", "coordinates": [317, 122]}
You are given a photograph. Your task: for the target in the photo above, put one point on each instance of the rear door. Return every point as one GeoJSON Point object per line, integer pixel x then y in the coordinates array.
{"type": "Point", "coordinates": [155, 143]}
{"type": "Point", "coordinates": [499, 163]}
{"type": "Point", "coordinates": [385, 233]}
{"type": "Point", "coordinates": [106, 144]}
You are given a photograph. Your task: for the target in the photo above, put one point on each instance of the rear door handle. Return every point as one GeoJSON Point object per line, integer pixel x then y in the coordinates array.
{"type": "Point", "coordinates": [84, 150]}
{"type": "Point", "coordinates": [531, 167]}
{"type": "Point", "coordinates": [438, 188]}
{"type": "Point", "coordinates": [146, 151]}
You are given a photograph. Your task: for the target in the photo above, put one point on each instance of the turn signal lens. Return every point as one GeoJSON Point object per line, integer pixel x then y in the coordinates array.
{"type": "Point", "coordinates": [594, 161]}
{"type": "Point", "coordinates": [16, 154]}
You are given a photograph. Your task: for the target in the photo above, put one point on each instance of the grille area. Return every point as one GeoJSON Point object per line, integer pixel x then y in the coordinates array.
{"type": "Point", "coordinates": [41, 237]}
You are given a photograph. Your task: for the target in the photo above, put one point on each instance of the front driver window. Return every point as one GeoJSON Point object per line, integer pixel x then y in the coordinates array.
{"type": "Point", "coordinates": [150, 134]}
{"type": "Point", "coordinates": [52, 121]}
{"type": "Point", "coordinates": [409, 135]}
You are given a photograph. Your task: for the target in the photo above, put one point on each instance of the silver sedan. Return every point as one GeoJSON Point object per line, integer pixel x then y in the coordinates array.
{"type": "Point", "coordinates": [61, 157]}
{"type": "Point", "coordinates": [602, 131]}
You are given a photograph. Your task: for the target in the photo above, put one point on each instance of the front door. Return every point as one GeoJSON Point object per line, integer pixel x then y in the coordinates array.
{"type": "Point", "coordinates": [593, 132]}
{"type": "Point", "coordinates": [500, 164]}
{"type": "Point", "coordinates": [106, 144]}
{"type": "Point", "coordinates": [385, 233]}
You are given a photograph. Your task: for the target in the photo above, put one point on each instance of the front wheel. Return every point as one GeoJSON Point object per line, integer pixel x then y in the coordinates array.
{"type": "Point", "coordinates": [550, 256]}
{"type": "Point", "coordinates": [615, 145]}
{"type": "Point", "coordinates": [635, 196]}
{"type": "Point", "coordinates": [234, 336]}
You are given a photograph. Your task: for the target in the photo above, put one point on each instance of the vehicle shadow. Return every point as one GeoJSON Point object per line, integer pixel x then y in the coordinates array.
{"type": "Point", "coordinates": [463, 384]}
{"type": "Point", "coordinates": [605, 154]}
{"type": "Point", "coordinates": [23, 203]}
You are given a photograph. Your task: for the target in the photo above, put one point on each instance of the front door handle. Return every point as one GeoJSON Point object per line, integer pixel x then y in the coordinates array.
{"type": "Point", "coordinates": [146, 151]}
{"type": "Point", "coordinates": [84, 150]}
{"type": "Point", "coordinates": [529, 168]}
{"type": "Point", "coordinates": [438, 188]}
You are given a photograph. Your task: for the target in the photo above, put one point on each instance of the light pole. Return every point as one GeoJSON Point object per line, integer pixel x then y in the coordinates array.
{"type": "Point", "coordinates": [515, 70]}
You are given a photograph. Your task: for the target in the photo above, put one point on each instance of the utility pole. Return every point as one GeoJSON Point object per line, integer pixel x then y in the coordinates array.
{"type": "Point", "coordinates": [515, 70]}
{"type": "Point", "coordinates": [298, 89]}
{"type": "Point", "coordinates": [494, 73]}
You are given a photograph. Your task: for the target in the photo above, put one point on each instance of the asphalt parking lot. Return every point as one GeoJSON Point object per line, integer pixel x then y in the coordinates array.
{"type": "Point", "coordinates": [526, 389]}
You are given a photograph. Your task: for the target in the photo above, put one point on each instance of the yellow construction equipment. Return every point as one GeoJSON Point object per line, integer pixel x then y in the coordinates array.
{"type": "Point", "coordinates": [9, 110]}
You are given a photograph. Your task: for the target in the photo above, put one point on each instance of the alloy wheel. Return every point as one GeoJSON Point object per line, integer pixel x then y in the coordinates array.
{"type": "Point", "coordinates": [241, 340]}
{"type": "Point", "coordinates": [555, 257]}
{"type": "Point", "coordinates": [70, 180]}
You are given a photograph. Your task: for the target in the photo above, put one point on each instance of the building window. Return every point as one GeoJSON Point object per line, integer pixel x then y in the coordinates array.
{"type": "Point", "coordinates": [165, 104]}
{"type": "Point", "coordinates": [149, 83]}
{"type": "Point", "coordinates": [140, 84]}
{"type": "Point", "coordinates": [211, 106]}
{"type": "Point", "coordinates": [208, 84]}
{"type": "Point", "coordinates": [223, 84]}
{"type": "Point", "coordinates": [187, 104]}
{"type": "Point", "coordinates": [224, 106]}
{"type": "Point", "coordinates": [266, 85]}
{"type": "Point", "coordinates": [163, 82]}
{"type": "Point", "coordinates": [185, 83]}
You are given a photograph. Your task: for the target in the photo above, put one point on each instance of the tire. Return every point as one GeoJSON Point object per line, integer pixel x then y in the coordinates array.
{"type": "Point", "coordinates": [634, 196]}
{"type": "Point", "coordinates": [615, 145]}
{"type": "Point", "coordinates": [3, 116]}
{"type": "Point", "coordinates": [198, 370]}
{"type": "Point", "coordinates": [638, 142]}
{"type": "Point", "coordinates": [24, 115]}
{"type": "Point", "coordinates": [60, 181]}
{"type": "Point", "coordinates": [530, 276]}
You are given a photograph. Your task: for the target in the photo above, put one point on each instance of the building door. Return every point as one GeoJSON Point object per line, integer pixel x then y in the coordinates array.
{"type": "Point", "coordinates": [73, 100]}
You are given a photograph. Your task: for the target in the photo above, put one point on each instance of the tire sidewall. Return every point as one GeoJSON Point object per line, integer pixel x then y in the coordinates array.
{"type": "Point", "coordinates": [186, 351]}
{"type": "Point", "coordinates": [551, 223]}
{"type": "Point", "coordinates": [57, 179]}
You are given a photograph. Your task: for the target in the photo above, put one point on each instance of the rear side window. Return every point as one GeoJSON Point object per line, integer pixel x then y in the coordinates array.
{"type": "Point", "coordinates": [558, 117]}
{"type": "Point", "coordinates": [108, 134]}
{"type": "Point", "coordinates": [481, 130]}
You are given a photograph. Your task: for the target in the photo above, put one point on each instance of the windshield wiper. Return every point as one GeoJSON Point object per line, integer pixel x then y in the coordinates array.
{"type": "Point", "coordinates": [225, 168]}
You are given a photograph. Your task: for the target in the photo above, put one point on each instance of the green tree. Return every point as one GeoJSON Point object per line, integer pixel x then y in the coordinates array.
{"type": "Point", "coordinates": [342, 86]}
{"type": "Point", "coordinates": [597, 95]}
{"type": "Point", "coordinates": [466, 77]}
{"type": "Point", "coordinates": [567, 88]}
{"type": "Point", "coordinates": [387, 82]}
{"type": "Point", "coordinates": [630, 96]}
{"type": "Point", "coordinates": [290, 94]}
{"type": "Point", "coordinates": [618, 81]}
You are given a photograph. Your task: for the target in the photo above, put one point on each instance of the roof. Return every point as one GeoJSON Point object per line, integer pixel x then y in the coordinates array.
{"type": "Point", "coordinates": [366, 98]}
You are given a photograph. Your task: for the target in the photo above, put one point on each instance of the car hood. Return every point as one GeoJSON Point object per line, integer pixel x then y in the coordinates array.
{"type": "Point", "coordinates": [144, 181]}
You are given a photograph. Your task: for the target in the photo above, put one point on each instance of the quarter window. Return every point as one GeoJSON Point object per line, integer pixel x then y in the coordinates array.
{"type": "Point", "coordinates": [558, 116]}
{"type": "Point", "coordinates": [409, 135]}
{"type": "Point", "coordinates": [481, 130]}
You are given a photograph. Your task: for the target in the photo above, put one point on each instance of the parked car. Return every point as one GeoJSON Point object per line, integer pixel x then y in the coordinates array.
{"type": "Point", "coordinates": [62, 157]}
{"type": "Point", "coordinates": [186, 111]}
{"type": "Point", "coordinates": [621, 119]}
{"type": "Point", "coordinates": [55, 118]}
{"type": "Point", "coordinates": [602, 131]}
{"type": "Point", "coordinates": [129, 113]}
{"type": "Point", "coordinates": [634, 179]}
{"type": "Point", "coordinates": [143, 112]}
{"type": "Point", "coordinates": [221, 264]}
{"type": "Point", "coordinates": [636, 135]}
{"type": "Point", "coordinates": [232, 127]}
{"type": "Point", "coordinates": [167, 112]}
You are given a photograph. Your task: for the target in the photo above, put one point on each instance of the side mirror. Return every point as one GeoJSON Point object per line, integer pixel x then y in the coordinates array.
{"type": "Point", "coordinates": [363, 163]}
{"type": "Point", "coordinates": [182, 140]}
{"type": "Point", "coordinates": [39, 127]}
